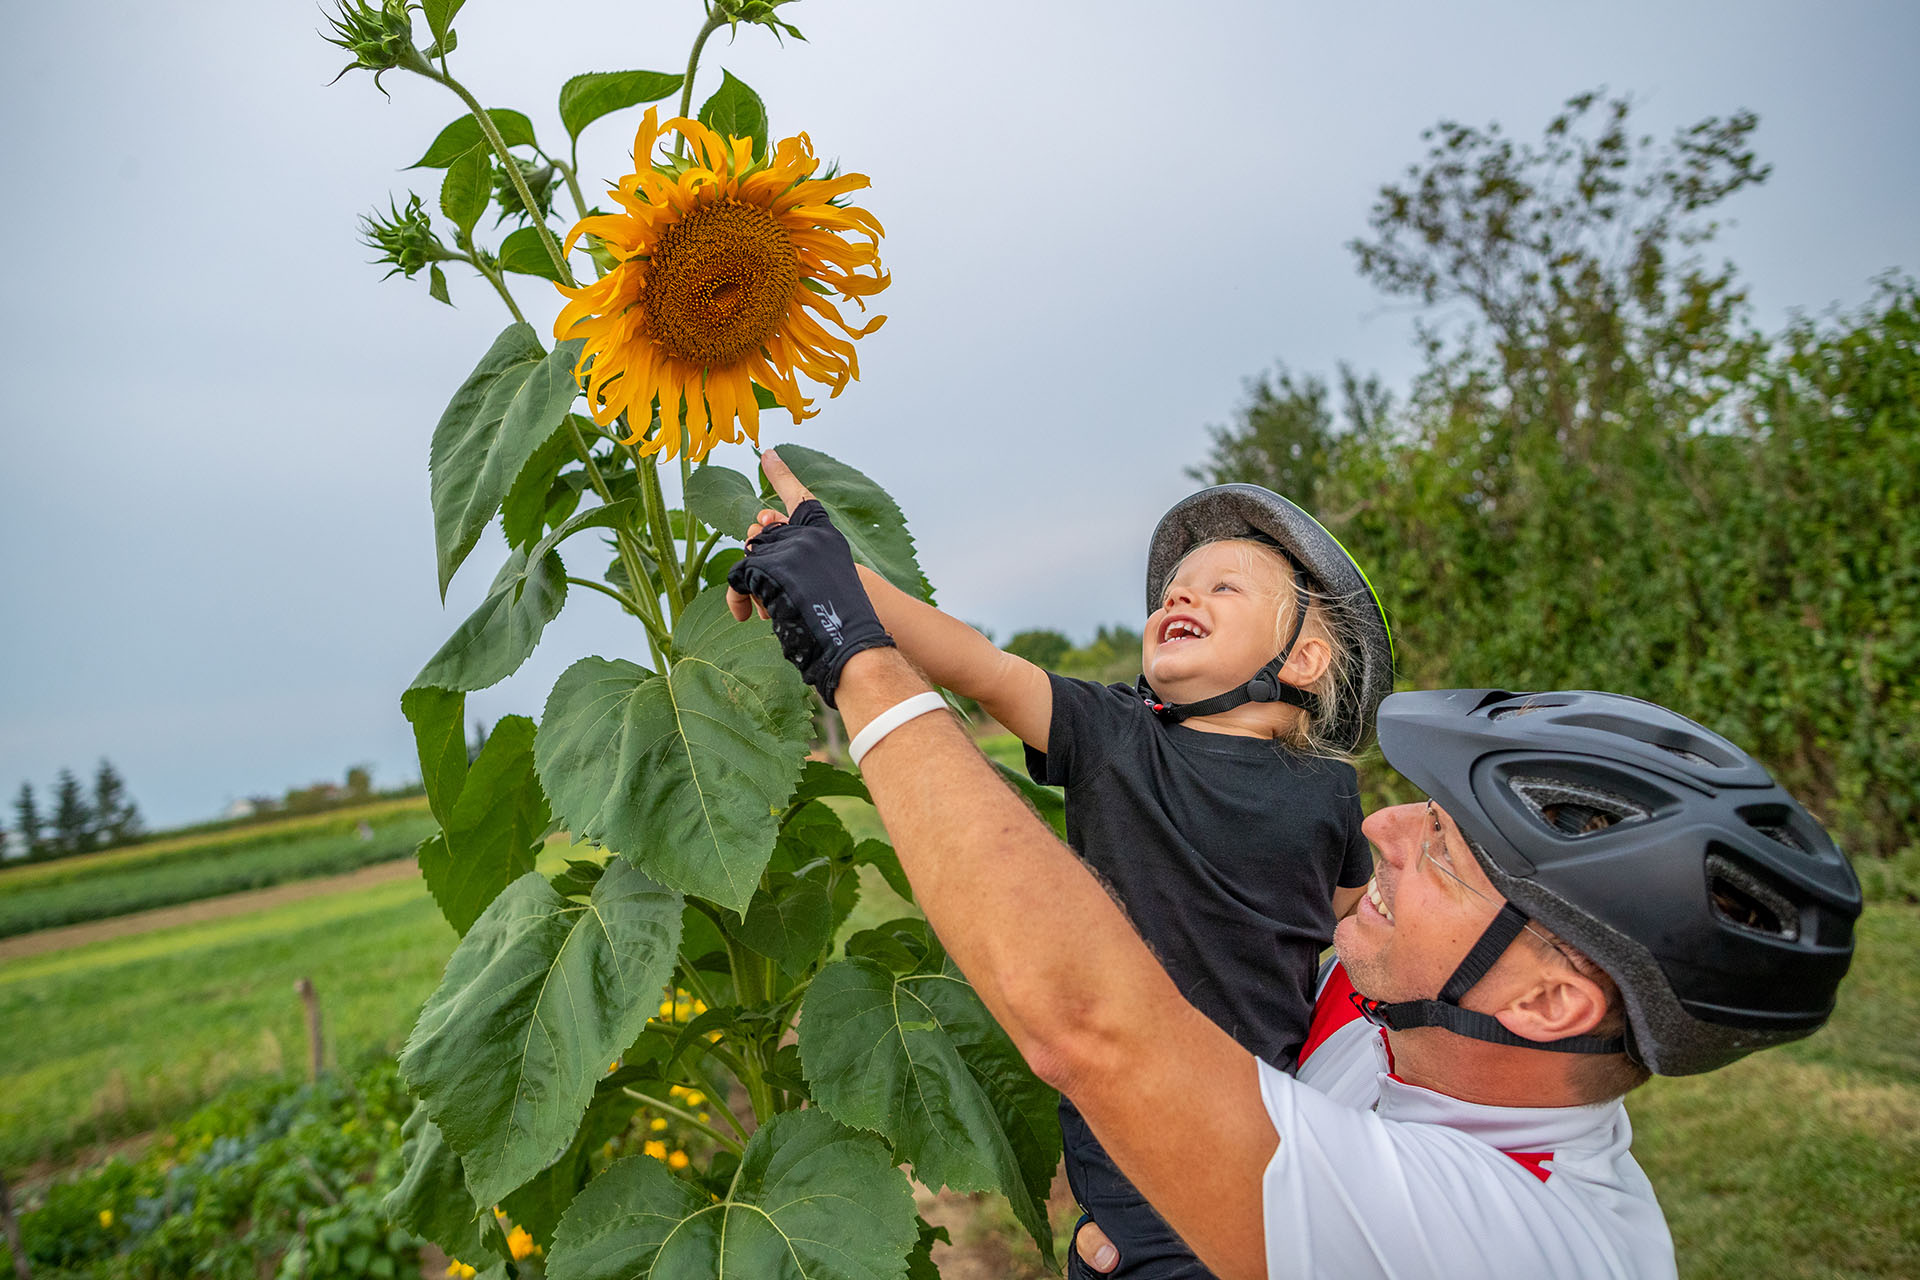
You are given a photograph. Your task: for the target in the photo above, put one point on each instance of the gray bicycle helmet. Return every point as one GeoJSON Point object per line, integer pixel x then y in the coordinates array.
{"type": "Point", "coordinates": [1249, 511]}
{"type": "Point", "coordinates": [1669, 856]}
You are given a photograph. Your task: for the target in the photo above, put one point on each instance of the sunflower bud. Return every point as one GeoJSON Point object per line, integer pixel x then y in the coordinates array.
{"type": "Point", "coordinates": [404, 238]}
{"type": "Point", "coordinates": [756, 13]}
{"type": "Point", "coordinates": [379, 36]}
{"type": "Point", "coordinates": [539, 180]}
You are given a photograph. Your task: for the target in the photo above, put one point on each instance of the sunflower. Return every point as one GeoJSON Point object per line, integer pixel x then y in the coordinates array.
{"type": "Point", "coordinates": [724, 267]}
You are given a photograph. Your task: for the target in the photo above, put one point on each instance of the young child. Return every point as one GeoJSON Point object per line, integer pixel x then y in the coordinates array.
{"type": "Point", "coordinates": [1214, 799]}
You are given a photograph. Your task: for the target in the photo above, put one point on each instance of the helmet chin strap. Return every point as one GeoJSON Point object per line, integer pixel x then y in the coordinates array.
{"type": "Point", "coordinates": [1266, 685]}
{"type": "Point", "coordinates": [1446, 1011]}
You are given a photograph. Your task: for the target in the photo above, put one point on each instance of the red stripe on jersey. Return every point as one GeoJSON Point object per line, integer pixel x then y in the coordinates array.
{"type": "Point", "coordinates": [1332, 1009]}
{"type": "Point", "coordinates": [1532, 1161]}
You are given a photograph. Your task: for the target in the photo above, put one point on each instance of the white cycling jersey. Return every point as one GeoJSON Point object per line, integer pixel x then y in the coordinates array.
{"type": "Point", "coordinates": [1375, 1177]}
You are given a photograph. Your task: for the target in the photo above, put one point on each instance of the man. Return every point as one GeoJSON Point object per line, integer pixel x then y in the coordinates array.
{"type": "Point", "coordinates": [1598, 888]}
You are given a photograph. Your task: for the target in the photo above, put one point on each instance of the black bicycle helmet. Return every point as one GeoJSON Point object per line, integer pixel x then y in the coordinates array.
{"type": "Point", "coordinates": [1249, 511]}
{"type": "Point", "coordinates": [1666, 854]}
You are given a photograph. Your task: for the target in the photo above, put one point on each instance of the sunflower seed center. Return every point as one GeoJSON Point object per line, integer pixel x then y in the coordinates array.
{"type": "Point", "coordinates": [719, 282]}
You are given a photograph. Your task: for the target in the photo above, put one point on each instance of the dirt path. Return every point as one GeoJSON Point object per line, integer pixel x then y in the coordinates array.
{"type": "Point", "coordinates": [232, 904]}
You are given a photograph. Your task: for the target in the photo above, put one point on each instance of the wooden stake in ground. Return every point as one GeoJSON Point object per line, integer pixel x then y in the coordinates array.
{"type": "Point", "coordinates": [11, 1225]}
{"type": "Point", "coordinates": [317, 1047]}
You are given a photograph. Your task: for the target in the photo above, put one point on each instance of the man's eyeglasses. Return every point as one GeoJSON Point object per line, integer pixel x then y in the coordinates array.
{"type": "Point", "coordinates": [1443, 862]}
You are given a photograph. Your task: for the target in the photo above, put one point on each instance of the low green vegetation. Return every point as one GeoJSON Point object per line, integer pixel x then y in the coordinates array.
{"type": "Point", "coordinates": [163, 874]}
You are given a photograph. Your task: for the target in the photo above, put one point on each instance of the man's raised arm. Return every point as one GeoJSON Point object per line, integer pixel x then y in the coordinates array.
{"type": "Point", "coordinates": [1049, 952]}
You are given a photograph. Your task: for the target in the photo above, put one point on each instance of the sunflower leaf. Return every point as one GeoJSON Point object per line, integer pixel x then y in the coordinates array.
{"type": "Point", "coordinates": [437, 285]}
{"type": "Point", "coordinates": [439, 733]}
{"type": "Point", "coordinates": [917, 1059]}
{"type": "Point", "coordinates": [467, 188]}
{"type": "Point", "coordinates": [723, 499]}
{"type": "Point", "coordinates": [539, 996]}
{"type": "Point", "coordinates": [684, 774]}
{"type": "Point", "coordinates": [464, 134]}
{"type": "Point", "coordinates": [524, 252]}
{"type": "Point", "coordinates": [440, 18]}
{"type": "Point", "coordinates": [432, 1198]}
{"type": "Point", "coordinates": [523, 514]}
{"type": "Point", "coordinates": [586, 98]}
{"type": "Point", "coordinates": [495, 831]}
{"type": "Point", "coordinates": [813, 1200]}
{"type": "Point", "coordinates": [504, 411]}
{"type": "Point", "coordinates": [869, 520]}
{"type": "Point", "coordinates": [735, 111]}
{"type": "Point", "coordinates": [527, 594]}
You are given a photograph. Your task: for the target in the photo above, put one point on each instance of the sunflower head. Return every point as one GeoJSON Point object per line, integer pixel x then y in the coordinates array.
{"type": "Point", "coordinates": [725, 269]}
{"type": "Point", "coordinates": [379, 36]}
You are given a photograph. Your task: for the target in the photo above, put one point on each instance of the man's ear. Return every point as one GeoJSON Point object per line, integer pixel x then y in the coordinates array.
{"type": "Point", "coordinates": [1560, 1002]}
{"type": "Point", "coordinates": [1307, 663]}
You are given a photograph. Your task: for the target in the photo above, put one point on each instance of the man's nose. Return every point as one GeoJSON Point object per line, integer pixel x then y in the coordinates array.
{"type": "Point", "coordinates": [1395, 832]}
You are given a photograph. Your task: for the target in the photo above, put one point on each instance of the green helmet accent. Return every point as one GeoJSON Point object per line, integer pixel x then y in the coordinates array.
{"type": "Point", "coordinates": [1247, 510]}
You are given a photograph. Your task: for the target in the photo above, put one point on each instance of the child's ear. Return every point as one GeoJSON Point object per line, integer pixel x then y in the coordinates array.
{"type": "Point", "coordinates": [1307, 663]}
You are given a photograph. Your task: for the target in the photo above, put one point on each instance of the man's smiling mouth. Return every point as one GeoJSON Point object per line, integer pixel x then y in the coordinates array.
{"type": "Point", "coordinates": [1377, 902]}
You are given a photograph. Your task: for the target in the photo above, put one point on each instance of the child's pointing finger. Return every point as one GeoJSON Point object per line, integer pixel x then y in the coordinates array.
{"type": "Point", "coordinates": [784, 482]}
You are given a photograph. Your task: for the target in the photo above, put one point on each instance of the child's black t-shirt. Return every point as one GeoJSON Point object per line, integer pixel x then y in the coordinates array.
{"type": "Point", "coordinates": [1225, 851]}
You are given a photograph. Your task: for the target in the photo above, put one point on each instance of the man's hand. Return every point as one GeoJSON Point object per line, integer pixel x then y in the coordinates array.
{"type": "Point", "coordinates": [799, 573]}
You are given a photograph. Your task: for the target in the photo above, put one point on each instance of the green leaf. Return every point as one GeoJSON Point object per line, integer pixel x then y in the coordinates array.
{"type": "Point", "coordinates": [431, 1198]}
{"type": "Point", "coordinates": [527, 594]}
{"type": "Point", "coordinates": [820, 779]}
{"type": "Point", "coordinates": [464, 134]}
{"type": "Point", "coordinates": [504, 411]}
{"type": "Point", "coordinates": [586, 98]}
{"type": "Point", "coordinates": [437, 284]}
{"type": "Point", "coordinates": [539, 1204]}
{"type": "Point", "coordinates": [440, 16]}
{"type": "Point", "coordinates": [684, 774]}
{"type": "Point", "coordinates": [538, 998]}
{"type": "Point", "coordinates": [467, 188]}
{"type": "Point", "coordinates": [735, 111]}
{"type": "Point", "coordinates": [813, 1200]}
{"type": "Point", "coordinates": [911, 1059]}
{"type": "Point", "coordinates": [863, 512]}
{"type": "Point", "coordinates": [523, 514]}
{"type": "Point", "coordinates": [880, 855]}
{"type": "Point", "coordinates": [524, 251]}
{"type": "Point", "coordinates": [790, 921]}
{"type": "Point", "coordinates": [438, 717]}
{"type": "Point", "coordinates": [723, 499]}
{"type": "Point", "coordinates": [920, 1263]}
{"type": "Point", "coordinates": [496, 830]}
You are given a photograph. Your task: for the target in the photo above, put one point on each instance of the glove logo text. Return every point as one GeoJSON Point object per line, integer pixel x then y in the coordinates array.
{"type": "Point", "coordinates": [830, 619]}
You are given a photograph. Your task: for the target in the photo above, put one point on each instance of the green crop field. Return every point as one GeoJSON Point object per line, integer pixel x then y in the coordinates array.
{"type": "Point", "coordinates": [164, 873]}
{"type": "Point", "coordinates": [1803, 1161]}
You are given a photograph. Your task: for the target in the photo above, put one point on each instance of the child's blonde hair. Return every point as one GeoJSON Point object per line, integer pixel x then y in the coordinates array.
{"type": "Point", "coordinates": [1335, 685]}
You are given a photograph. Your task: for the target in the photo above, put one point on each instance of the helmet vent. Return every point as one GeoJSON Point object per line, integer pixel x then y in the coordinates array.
{"type": "Point", "coordinates": [1691, 757]}
{"type": "Point", "coordinates": [1745, 901]}
{"type": "Point", "coordinates": [1524, 709]}
{"type": "Point", "coordinates": [1574, 810]}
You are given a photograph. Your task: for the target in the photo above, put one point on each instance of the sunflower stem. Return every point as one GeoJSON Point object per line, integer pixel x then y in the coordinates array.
{"type": "Point", "coordinates": [693, 526]}
{"type": "Point", "coordinates": [723, 1139]}
{"type": "Point", "coordinates": [568, 172]}
{"type": "Point", "coordinates": [658, 634]}
{"type": "Point", "coordinates": [656, 504]}
{"type": "Point", "coordinates": [715, 21]}
{"type": "Point", "coordinates": [512, 167]}
{"type": "Point", "coordinates": [495, 278]}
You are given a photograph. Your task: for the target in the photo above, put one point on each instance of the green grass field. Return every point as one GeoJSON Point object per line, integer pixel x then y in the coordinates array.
{"type": "Point", "coordinates": [1803, 1161]}
{"type": "Point", "coordinates": [98, 886]}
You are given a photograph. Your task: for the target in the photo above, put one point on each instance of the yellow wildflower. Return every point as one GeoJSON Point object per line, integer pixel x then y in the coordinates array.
{"type": "Point", "coordinates": [455, 1267]}
{"type": "Point", "coordinates": [678, 1160]}
{"type": "Point", "coordinates": [657, 1150]}
{"type": "Point", "coordinates": [520, 1243]}
{"type": "Point", "coordinates": [657, 1123]}
{"type": "Point", "coordinates": [106, 1217]}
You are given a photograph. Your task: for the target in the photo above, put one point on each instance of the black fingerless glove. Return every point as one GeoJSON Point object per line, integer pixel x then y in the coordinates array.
{"type": "Point", "coordinates": [802, 573]}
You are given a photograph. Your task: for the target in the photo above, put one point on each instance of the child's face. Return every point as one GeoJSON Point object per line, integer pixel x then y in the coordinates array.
{"type": "Point", "coordinates": [1216, 624]}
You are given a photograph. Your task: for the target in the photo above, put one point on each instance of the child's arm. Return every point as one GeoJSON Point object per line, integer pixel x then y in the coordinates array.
{"type": "Point", "coordinates": [954, 655]}
{"type": "Point", "coordinates": [1345, 900]}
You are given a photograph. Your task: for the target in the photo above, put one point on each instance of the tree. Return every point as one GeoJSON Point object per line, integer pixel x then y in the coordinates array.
{"type": "Point", "coordinates": [116, 819]}
{"type": "Point", "coordinates": [29, 827]}
{"type": "Point", "coordinates": [73, 830]}
{"type": "Point", "coordinates": [1285, 437]}
{"type": "Point", "coordinates": [359, 782]}
{"type": "Point", "coordinates": [1041, 647]}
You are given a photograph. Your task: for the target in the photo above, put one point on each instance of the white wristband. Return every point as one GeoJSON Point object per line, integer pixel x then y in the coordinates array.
{"type": "Point", "coordinates": [889, 720]}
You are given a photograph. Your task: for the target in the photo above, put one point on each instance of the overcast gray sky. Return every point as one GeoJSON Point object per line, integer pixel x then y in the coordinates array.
{"type": "Point", "coordinates": [218, 559]}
